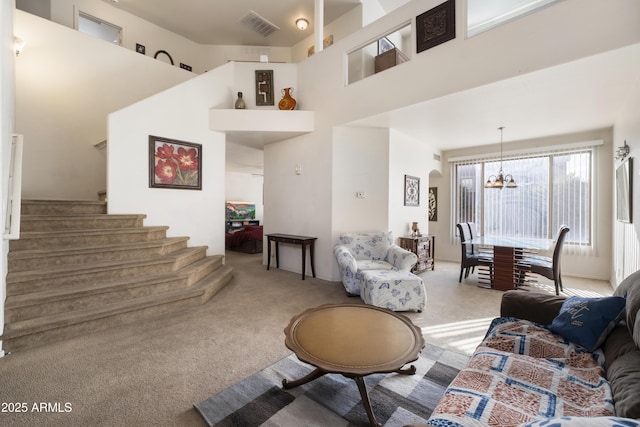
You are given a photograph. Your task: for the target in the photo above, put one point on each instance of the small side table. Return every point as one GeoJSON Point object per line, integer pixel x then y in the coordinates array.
{"type": "Point", "coordinates": [304, 241]}
{"type": "Point", "coordinates": [424, 247]}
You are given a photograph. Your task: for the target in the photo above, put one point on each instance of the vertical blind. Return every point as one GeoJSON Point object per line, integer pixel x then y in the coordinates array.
{"type": "Point", "coordinates": [554, 188]}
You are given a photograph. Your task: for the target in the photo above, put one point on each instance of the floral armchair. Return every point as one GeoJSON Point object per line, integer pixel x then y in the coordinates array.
{"type": "Point", "coordinates": [357, 252]}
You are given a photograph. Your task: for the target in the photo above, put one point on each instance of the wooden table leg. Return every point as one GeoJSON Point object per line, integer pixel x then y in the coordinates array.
{"type": "Point", "coordinates": [311, 256]}
{"type": "Point", "coordinates": [316, 373]}
{"type": "Point", "coordinates": [365, 401]}
{"type": "Point", "coordinates": [268, 253]}
{"type": "Point", "coordinates": [277, 256]}
{"type": "Point", "coordinates": [304, 259]}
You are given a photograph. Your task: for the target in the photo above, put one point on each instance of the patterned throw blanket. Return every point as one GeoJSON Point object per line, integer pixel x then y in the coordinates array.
{"type": "Point", "coordinates": [523, 372]}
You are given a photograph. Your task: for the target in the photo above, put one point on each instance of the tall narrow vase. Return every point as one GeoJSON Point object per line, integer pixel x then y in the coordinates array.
{"type": "Point", "coordinates": [287, 102]}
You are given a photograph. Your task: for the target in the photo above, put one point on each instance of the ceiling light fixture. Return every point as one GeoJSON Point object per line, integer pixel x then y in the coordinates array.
{"type": "Point", "coordinates": [302, 23]}
{"type": "Point", "coordinates": [501, 180]}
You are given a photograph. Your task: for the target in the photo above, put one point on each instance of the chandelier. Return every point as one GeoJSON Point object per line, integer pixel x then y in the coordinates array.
{"type": "Point", "coordinates": [501, 180]}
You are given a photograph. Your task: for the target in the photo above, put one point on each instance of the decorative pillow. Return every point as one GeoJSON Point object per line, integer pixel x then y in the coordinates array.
{"type": "Point", "coordinates": [583, 422]}
{"type": "Point", "coordinates": [588, 321]}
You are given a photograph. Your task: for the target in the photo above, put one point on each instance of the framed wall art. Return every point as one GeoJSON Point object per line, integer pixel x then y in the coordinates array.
{"type": "Point", "coordinates": [411, 190]}
{"type": "Point", "coordinates": [264, 87]}
{"type": "Point", "coordinates": [433, 203]}
{"type": "Point", "coordinates": [436, 26]}
{"type": "Point", "coordinates": [174, 164]}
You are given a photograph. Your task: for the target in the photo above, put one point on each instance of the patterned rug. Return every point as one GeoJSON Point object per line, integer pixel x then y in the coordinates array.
{"type": "Point", "coordinates": [333, 400]}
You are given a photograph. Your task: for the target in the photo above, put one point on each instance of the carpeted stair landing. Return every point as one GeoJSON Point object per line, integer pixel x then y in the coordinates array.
{"type": "Point", "coordinates": [76, 270]}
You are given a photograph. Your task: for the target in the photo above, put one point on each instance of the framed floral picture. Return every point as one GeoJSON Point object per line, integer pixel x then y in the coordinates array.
{"type": "Point", "coordinates": [174, 164]}
{"type": "Point", "coordinates": [411, 190]}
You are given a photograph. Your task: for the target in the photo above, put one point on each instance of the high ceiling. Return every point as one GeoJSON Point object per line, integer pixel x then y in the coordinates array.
{"type": "Point", "coordinates": [571, 98]}
{"type": "Point", "coordinates": [217, 22]}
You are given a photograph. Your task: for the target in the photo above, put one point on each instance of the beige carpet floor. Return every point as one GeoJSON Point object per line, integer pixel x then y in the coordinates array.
{"type": "Point", "coordinates": [151, 373]}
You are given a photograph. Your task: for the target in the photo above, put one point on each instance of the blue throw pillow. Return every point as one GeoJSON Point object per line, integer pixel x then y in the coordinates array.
{"type": "Point", "coordinates": [588, 321]}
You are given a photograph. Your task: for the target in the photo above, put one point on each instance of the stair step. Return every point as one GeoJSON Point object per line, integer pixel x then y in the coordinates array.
{"type": "Point", "coordinates": [62, 207]}
{"type": "Point", "coordinates": [56, 327]}
{"type": "Point", "coordinates": [76, 269]}
{"type": "Point", "coordinates": [78, 222]}
{"type": "Point", "coordinates": [46, 303]}
{"type": "Point", "coordinates": [49, 258]}
{"type": "Point", "coordinates": [85, 238]}
{"type": "Point", "coordinates": [71, 276]}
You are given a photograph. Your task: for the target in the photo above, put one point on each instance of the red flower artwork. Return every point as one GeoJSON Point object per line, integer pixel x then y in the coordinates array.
{"type": "Point", "coordinates": [187, 159]}
{"type": "Point", "coordinates": [166, 171]}
{"type": "Point", "coordinates": [174, 164]}
{"type": "Point", "coordinates": [165, 152]}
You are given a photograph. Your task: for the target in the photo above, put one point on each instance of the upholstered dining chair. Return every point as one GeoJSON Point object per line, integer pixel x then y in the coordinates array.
{"type": "Point", "coordinates": [548, 267]}
{"type": "Point", "coordinates": [469, 259]}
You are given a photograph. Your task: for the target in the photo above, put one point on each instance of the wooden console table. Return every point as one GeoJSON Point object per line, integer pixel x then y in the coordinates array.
{"type": "Point", "coordinates": [304, 241]}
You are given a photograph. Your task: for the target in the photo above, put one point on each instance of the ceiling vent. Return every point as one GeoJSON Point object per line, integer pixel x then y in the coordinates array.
{"type": "Point", "coordinates": [258, 24]}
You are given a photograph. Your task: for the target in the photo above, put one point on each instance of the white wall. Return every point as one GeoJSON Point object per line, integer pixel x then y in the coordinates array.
{"type": "Point", "coordinates": [360, 164]}
{"type": "Point", "coordinates": [338, 29]}
{"type": "Point", "coordinates": [303, 205]}
{"type": "Point", "coordinates": [62, 104]}
{"type": "Point", "coordinates": [135, 30]}
{"type": "Point", "coordinates": [626, 236]}
{"type": "Point", "coordinates": [7, 118]}
{"type": "Point", "coordinates": [408, 156]}
{"type": "Point", "coordinates": [181, 113]}
{"type": "Point", "coordinates": [595, 265]}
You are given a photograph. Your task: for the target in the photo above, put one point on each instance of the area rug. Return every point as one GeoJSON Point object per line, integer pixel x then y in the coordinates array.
{"type": "Point", "coordinates": [333, 400]}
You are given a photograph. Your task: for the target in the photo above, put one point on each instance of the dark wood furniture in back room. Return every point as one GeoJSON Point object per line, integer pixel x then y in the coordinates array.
{"type": "Point", "coordinates": [304, 241]}
{"type": "Point", "coordinates": [239, 223]}
{"type": "Point", "coordinates": [424, 247]}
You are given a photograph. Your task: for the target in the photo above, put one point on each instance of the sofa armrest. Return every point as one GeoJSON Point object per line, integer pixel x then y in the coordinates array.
{"type": "Point", "coordinates": [532, 306]}
{"type": "Point", "coordinates": [401, 259]}
{"type": "Point", "coordinates": [346, 260]}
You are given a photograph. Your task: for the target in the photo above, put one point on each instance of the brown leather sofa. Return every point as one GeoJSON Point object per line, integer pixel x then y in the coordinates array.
{"type": "Point", "coordinates": [621, 347]}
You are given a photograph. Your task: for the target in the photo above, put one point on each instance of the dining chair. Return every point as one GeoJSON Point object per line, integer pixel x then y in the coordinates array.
{"type": "Point", "coordinates": [548, 267]}
{"type": "Point", "coordinates": [469, 259]}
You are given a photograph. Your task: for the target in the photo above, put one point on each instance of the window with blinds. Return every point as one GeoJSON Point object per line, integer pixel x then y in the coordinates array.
{"type": "Point", "coordinates": [554, 188]}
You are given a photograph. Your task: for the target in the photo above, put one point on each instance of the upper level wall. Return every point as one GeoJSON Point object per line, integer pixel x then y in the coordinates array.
{"type": "Point", "coordinates": [62, 104]}
{"type": "Point", "coordinates": [549, 37]}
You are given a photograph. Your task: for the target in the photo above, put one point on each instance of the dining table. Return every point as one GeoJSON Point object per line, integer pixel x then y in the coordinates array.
{"type": "Point", "coordinates": [509, 257]}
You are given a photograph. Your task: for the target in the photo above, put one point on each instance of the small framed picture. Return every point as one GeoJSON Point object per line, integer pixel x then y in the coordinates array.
{"type": "Point", "coordinates": [436, 26]}
{"type": "Point", "coordinates": [411, 190]}
{"type": "Point", "coordinates": [433, 203]}
{"type": "Point", "coordinates": [384, 44]}
{"type": "Point", "coordinates": [140, 48]}
{"type": "Point", "coordinates": [174, 164]}
{"type": "Point", "coordinates": [264, 87]}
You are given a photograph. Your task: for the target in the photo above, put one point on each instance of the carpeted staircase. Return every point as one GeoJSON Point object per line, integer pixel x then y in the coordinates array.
{"type": "Point", "coordinates": [76, 270]}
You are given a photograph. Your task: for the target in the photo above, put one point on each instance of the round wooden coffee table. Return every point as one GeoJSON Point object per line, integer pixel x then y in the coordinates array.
{"type": "Point", "coordinates": [353, 340]}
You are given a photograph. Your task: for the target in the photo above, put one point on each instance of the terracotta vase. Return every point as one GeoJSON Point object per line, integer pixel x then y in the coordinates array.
{"type": "Point", "coordinates": [287, 102]}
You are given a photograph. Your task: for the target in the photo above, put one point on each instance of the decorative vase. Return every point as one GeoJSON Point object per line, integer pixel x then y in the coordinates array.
{"type": "Point", "coordinates": [240, 104]}
{"type": "Point", "coordinates": [287, 102]}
